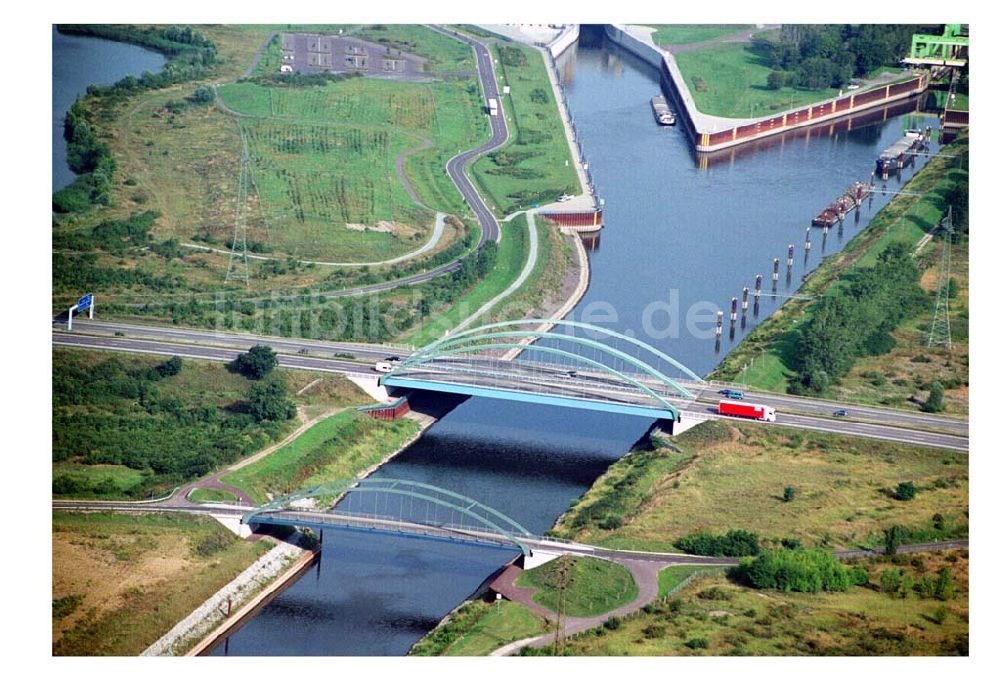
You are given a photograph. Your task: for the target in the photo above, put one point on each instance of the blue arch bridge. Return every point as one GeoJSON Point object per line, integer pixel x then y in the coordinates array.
{"type": "Point", "coordinates": [584, 367]}
{"type": "Point", "coordinates": [400, 507]}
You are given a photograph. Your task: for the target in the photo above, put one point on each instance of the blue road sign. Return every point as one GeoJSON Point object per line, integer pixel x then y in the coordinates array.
{"type": "Point", "coordinates": [85, 302]}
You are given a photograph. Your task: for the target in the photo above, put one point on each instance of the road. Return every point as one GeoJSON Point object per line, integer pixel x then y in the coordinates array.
{"type": "Point", "coordinates": [455, 167]}
{"type": "Point", "coordinates": [796, 412]}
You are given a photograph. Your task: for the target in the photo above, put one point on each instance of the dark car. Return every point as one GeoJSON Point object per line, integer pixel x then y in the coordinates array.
{"type": "Point", "coordinates": [840, 412]}
{"type": "Point", "coordinates": [392, 358]}
{"type": "Point", "coordinates": [725, 392]}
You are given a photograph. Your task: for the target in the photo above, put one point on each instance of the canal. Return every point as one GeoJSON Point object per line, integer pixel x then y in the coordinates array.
{"type": "Point", "coordinates": [81, 61]}
{"type": "Point", "coordinates": [677, 235]}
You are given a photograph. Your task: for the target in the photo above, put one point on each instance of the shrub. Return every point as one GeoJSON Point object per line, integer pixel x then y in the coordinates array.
{"type": "Point", "coordinates": [801, 570]}
{"type": "Point", "coordinates": [612, 522]}
{"type": "Point", "coordinates": [788, 495]}
{"type": "Point", "coordinates": [613, 623]}
{"type": "Point", "coordinates": [736, 543]}
{"type": "Point", "coordinates": [905, 491]}
{"type": "Point", "coordinates": [696, 643]}
{"type": "Point", "coordinates": [655, 631]}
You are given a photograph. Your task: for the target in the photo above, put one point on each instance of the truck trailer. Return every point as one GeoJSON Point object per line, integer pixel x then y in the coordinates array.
{"type": "Point", "coordinates": [492, 105]}
{"type": "Point", "coordinates": [746, 410]}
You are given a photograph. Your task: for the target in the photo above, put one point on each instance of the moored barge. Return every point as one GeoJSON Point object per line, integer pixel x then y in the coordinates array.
{"type": "Point", "coordinates": [855, 195]}
{"type": "Point", "coordinates": [899, 154]}
{"type": "Point", "coordinates": [661, 111]}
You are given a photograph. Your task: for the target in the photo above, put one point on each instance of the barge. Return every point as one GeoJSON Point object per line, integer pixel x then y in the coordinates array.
{"type": "Point", "coordinates": [898, 155]}
{"type": "Point", "coordinates": [661, 111]}
{"type": "Point", "coordinates": [853, 197]}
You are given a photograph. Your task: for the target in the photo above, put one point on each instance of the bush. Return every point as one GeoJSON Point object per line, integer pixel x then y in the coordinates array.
{"type": "Point", "coordinates": [788, 495]}
{"type": "Point", "coordinates": [801, 570]}
{"type": "Point", "coordinates": [613, 623]}
{"type": "Point", "coordinates": [612, 522]}
{"type": "Point", "coordinates": [696, 643]}
{"type": "Point", "coordinates": [269, 401]}
{"type": "Point", "coordinates": [905, 491]}
{"type": "Point", "coordinates": [736, 543]}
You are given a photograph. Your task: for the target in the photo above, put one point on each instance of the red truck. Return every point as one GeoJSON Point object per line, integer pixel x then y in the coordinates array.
{"type": "Point", "coordinates": [746, 410]}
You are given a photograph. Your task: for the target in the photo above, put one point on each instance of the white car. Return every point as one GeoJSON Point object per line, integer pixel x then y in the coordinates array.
{"type": "Point", "coordinates": [564, 198]}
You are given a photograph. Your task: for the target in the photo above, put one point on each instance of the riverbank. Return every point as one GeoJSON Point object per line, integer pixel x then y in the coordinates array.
{"type": "Point", "coordinates": [765, 357]}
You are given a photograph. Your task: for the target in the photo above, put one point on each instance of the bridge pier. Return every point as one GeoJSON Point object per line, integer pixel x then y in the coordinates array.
{"type": "Point", "coordinates": [537, 558]}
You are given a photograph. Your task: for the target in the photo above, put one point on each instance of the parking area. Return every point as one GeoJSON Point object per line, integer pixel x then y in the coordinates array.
{"type": "Point", "coordinates": [312, 53]}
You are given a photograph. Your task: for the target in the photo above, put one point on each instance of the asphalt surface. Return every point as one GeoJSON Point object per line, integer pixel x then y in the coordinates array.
{"type": "Point", "coordinates": [322, 357]}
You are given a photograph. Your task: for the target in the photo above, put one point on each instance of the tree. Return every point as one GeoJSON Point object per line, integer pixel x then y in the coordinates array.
{"type": "Point", "coordinates": [800, 570]}
{"type": "Point", "coordinates": [905, 491]}
{"type": "Point", "coordinates": [257, 363]}
{"type": "Point", "coordinates": [893, 539]}
{"type": "Point", "coordinates": [935, 400]}
{"type": "Point", "coordinates": [944, 587]}
{"type": "Point", "coordinates": [789, 494]}
{"type": "Point", "coordinates": [269, 401]}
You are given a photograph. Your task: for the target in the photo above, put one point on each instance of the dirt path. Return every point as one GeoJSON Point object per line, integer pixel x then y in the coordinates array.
{"type": "Point", "coordinates": [214, 481]}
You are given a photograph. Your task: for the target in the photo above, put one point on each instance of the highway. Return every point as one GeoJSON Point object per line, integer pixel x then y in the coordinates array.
{"type": "Point", "coordinates": [797, 412]}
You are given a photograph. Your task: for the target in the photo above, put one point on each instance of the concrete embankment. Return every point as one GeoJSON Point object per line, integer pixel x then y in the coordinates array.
{"type": "Point", "coordinates": [712, 133]}
{"type": "Point", "coordinates": [282, 564]}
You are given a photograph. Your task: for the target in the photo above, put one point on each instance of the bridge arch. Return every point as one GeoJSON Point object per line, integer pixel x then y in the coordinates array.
{"type": "Point", "coordinates": [610, 333]}
{"type": "Point", "coordinates": [482, 515]}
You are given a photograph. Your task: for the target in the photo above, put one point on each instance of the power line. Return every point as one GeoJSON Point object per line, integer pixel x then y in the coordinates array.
{"type": "Point", "coordinates": [239, 265]}
{"type": "Point", "coordinates": [940, 332]}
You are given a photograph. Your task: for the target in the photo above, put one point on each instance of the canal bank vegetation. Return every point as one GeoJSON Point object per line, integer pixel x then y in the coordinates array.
{"type": "Point", "coordinates": [582, 586]}
{"type": "Point", "coordinates": [844, 492]}
{"type": "Point", "coordinates": [477, 628]}
{"type": "Point", "coordinates": [803, 346]}
{"type": "Point", "coordinates": [796, 65]}
{"type": "Point", "coordinates": [120, 581]}
{"type": "Point", "coordinates": [134, 426]}
{"type": "Point", "coordinates": [337, 448]}
{"type": "Point", "coordinates": [719, 617]}
{"type": "Point", "coordinates": [535, 167]}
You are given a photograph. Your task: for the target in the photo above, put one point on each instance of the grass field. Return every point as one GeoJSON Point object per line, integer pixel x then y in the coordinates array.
{"type": "Point", "coordinates": [203, 495]}
{"type": "Point", "coordinates": [675, 34]}
{"type": "Point", "coordinates": [477, 628]}
{"type": "Point", "coordinates": [905, 219]}
{"type": "Point", "coordinates": [730, 80]}
{"type": "Point", "coordinates": [512, 253]}
{"type": "Point", "coordinates": [119, 435]}
{"type": "Point", "coordinates": [337, 448]}
{"type": "Point", "coordinates": [668, 579]}
{"type": "Point", "coordinates": [535, 167]}
{"type": "Point", "coordinates": [732, 476]}
{"type": "Point", "coordinates": [715, 617]}
{"type": "Point", "coordinates": [593, 586]}
{"type": "Point", "coordinates": [120, 581]}
{"type": "Point", "coordinates": [325, 157]}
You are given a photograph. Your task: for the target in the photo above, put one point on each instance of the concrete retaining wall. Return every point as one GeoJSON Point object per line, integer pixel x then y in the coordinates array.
{"type": "Point", "coordinates": [745, 131]}
{"type": "Point", "coordinates": [565, 39]}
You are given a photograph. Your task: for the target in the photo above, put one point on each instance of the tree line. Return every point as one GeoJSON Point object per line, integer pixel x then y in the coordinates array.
{"type": "Point", "coordinates": [821, 56]}
{"type": "Point", "coordinates": [858, 322]}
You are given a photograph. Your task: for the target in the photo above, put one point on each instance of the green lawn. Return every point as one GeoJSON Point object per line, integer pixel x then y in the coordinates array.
{"type": "Point", "coordinates": [209, 495]}
{"type": "Point", "coordinates": [535, 167]}
{"type": "Point", "coordinates": [668, 579]}
{"type": "Point", "coordinates": [593, 586]}
{"type": "Point", "coordinates": [679, 34]}
{"type": "Point", "coordinates": [325, 157]}
{"type": "Point", "coordinates": [716, 617]}
{"type": "Point", "coordinates": [477, 628]}
{"type": "Point", "coordinates": [730, 80]}
{"type": "Point", "coordinates": [842, 486]}
{"type": "Point", "coordinates": [120, 581]}
{"type": "Point", "coordinates": [512, 254]}
{"type": "Point", "coordinates": [337, 448]}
